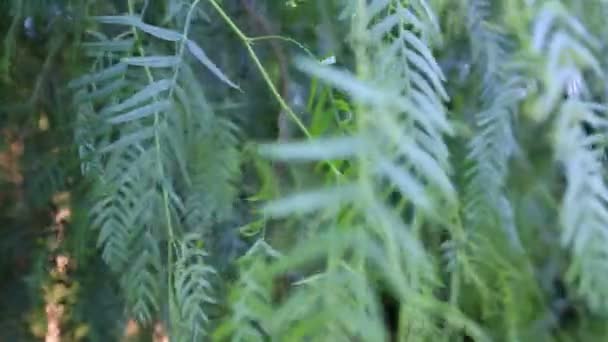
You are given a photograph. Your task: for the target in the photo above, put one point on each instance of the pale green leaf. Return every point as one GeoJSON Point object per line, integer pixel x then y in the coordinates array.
{"type": "Point", "coordinates": [313, 150]}
{"type": "Point", "coordinates": [153, 61]}
{"type": "Point", "coordinates": [427, 69]}
{"type": "Point", "coordinates": [307, 202]}
{"type": "Point", "coordinates": [130, 139]}
{"type": "Point", "coordinates": [100, 93]}
{"type": "Point", "coordinates": [424, 50]}
{"type": "Point", "coordinates": [141, 112]}
{"type": "Point", "coordinates": [156, 31]}
{"type": "Point", "coordinates": [147, 93]}
{"type": "Point", "coordinates": [199, 54]}
{"type": "Point", "coordinates": [377, 6]}
{"type": "Point", "coordinates": [344, 80]}
{"type": "Point", "coordinates": [102, 75]}
{"type": "Point", "coordinates": [406, 183]}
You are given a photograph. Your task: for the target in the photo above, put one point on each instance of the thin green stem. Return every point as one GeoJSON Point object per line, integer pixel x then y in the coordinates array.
{"type": "Point", "coordinates": [248, 42]}
{"type": "Point", "coordinates": [182, 46]}
{"type": "Point", "coordinates": [159, 164]}
{"type": "Point", "coordinates": [275, 92]}
{"type": "Point", "coordinates": [283, 38]}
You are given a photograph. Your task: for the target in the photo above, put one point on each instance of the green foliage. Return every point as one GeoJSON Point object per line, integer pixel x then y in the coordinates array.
{"type": "Point", "coordinates": [148, 138]}
{"type": "Point", "coordinates": [441, 176]}
{"type": "Point", "coordinates": [192, 287]}
{"type": "Point", "coordinates": [570, 55]}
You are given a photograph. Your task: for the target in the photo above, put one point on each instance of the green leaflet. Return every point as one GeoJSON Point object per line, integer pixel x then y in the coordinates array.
{"type": "Point", "coordinates": [103, 92]}
{"type": "Point", "coordinates": [129, 139]}
{"type": "Point", "coordinates": [345, 81]}
{"type": "Point", "coordinates": [134, 21]}
{"type": "Point", "coordinates": [153, 61]}
{"type": "Point", "coordinates": [308, 202]}
{"type": "Point", "coordinates": [422, 49]}
{"type": "Point", "coordinates": [141, 112]}
{"type": "Point", "coordinates": [315, 150]}
{"type": "Point", "coordinates": [147, 93]}
{"type": "Point", "coordinates": [193, 290]}
{"type": "Point", "coordinates": [376, 6]}
{"type": "Point", "coordinates": [407, 184]}
{"type": "Point", "coordinates": [200, 55]}
{"type": "Point", "coordinates": [103, 75]}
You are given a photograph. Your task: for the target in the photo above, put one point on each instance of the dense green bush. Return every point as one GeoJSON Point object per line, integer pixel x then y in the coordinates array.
{"type": "Point", "coordinates": [354, 170]}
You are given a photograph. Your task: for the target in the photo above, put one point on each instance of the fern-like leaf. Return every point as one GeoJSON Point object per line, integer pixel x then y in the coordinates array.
{"type": "Point", "coordinates": [568, 50]}
{"type": "Point", "coordinates": [155, 147]}
{"type": "Point", "coordinates": [397, 148]}
{"type": "Point", "coordinates": [192, 286]}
